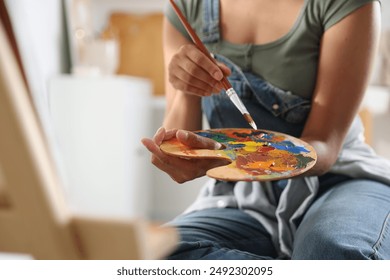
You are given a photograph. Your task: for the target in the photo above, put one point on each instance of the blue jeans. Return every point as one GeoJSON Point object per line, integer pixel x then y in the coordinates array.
{"type": "Point", "coordinates": [350, 220]}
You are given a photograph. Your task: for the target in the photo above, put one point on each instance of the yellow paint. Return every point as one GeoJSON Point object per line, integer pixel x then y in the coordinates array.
{"type": "Point", "coordinates": [250, 146]}
{"type": "Point", "coordinates": [278, 153]}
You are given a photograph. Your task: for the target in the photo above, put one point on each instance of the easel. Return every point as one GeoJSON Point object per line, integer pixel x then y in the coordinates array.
{"type": "Point", "coordinates": [34, 217]}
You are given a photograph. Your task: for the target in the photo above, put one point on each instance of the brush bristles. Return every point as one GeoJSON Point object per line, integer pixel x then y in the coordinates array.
{"type": "Point", "coordinates": [249, 119]}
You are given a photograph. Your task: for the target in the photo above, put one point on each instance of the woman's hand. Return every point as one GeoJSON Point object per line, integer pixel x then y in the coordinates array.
{"type": "Point", "coordinates": [179, 169]}
{"type": "Point", "coordinates": [192, 72]}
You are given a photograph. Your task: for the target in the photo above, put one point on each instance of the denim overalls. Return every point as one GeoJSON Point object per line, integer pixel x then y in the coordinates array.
{"type": "Point", "coordinates": [271, 108]}
{"type": "Point", "coordinates": [279, 206]}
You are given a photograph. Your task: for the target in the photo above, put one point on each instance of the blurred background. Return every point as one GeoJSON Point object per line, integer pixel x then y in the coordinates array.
{"type": "Point", "coordinates": [95, 73]}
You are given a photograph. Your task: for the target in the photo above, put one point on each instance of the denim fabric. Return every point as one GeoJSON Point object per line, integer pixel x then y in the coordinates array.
{"type": "Point", "coordinates": [349, 221]}
{"type": "Point", "coordinates": [222, 234]}
{"type": "Point", "coordinates": [210, 30]}
{"type": "Point", "coordinates": [337, 226]}
{"type": "Point", "coordinates": [270, 107]}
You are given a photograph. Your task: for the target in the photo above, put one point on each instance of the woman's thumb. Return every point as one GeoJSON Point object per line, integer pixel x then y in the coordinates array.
{"type": "Point", "coordinates": [195, 141]}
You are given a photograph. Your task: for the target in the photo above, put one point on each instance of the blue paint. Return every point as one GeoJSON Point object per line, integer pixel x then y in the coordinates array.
{"type": "Point", "coordinates": [266, 139]}
{"type": "Point", "coordinates": [268, 136]}
{"type": "Point", "coordinates": [219, 137]}
{"type": "Point", "coordinates": [289, 146]}
{"type": "Point", "coordinates": [235, 146]}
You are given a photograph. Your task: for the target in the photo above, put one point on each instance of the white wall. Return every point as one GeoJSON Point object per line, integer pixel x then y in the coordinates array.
{"type": "Point", "coordinates": [39, 28]}
{"type": "Point", "coordinates": [381, 128]}
{"type": "Point", "coordinates": [386, 13]}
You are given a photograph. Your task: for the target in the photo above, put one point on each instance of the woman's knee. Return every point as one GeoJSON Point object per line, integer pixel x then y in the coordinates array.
{"type": "Point", "coordinates": [326, 244]}
{"type": "Point", "coordinates": [351, 221]}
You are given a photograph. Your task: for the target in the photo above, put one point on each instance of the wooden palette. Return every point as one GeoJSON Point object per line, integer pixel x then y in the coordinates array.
{"type": "Point", "coordinates": [254, 155]}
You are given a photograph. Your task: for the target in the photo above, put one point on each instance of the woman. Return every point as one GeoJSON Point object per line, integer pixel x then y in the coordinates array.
{"type": "Point", "coordinates": [301, 67]}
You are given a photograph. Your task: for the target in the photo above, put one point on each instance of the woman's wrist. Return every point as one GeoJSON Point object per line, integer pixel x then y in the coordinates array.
{"type": "Point", "coordinates": [326, 157]}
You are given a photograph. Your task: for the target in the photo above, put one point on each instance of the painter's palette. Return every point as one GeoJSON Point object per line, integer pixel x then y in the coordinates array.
{"type": "Point", "coordinates": [255, 155]}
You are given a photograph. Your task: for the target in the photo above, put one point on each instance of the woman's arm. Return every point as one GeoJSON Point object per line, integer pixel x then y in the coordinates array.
{"type": "Point", "coordinates": [346, 56]}
{"type": "Point", "coordinates": [189, 75]}
{"type": "Point", "coordinates": [182, 110]}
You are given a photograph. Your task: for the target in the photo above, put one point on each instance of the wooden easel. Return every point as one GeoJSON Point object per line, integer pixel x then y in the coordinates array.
{"type": "Point", "coordinates": [34, 217]}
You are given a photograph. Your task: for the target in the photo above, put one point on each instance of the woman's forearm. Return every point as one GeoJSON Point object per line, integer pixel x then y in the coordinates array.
{"type": "Point", "coordinates": [184, 112]}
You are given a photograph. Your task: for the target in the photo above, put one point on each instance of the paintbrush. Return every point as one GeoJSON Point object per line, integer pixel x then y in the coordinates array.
{"type": "Point", "coordinates": [225, 82]}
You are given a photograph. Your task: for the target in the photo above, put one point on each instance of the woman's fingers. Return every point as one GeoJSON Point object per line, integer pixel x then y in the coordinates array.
{"type": "Point", "coordinates": [188, 138]}
{"type": "Point", "coordinates": [226, 70]}
{"type": "Point", "coordinates": [159, 135]}
{"type": "Point", "coordinates": [183, 170]}
{"type": "Point", "coordinates": [193, 82]}
{"type": "Point", "coordinates": [179, 169]}
{"type": "Point", "coordinates": [163, 134]}
{"type": "Point", "coordinates": [195, 141]}
{"type": "Point", "coordinates": [200, 59]}
{"type": "Point", "coordinates": [151, 146]}
{"type": "Point", "coordinates": [191, 71]}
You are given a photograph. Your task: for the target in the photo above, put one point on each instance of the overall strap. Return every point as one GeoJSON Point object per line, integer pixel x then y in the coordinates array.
{"type": "Point", "coordinates": [210, 29]}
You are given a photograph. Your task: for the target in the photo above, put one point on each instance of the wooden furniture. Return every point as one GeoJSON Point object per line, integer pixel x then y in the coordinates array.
{"type": "Point", "coordinates": [366, 117]}
{"type": "Point", "coordinates": [140, 40]}
{"type": "Point", "coordinates": [34, 217]}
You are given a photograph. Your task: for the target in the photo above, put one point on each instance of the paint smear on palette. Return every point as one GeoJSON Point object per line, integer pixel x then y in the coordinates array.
{"type": "Point", "coordinates": [254, 155]}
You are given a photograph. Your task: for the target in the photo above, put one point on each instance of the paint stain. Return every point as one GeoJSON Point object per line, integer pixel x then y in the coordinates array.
{"type": "Point", "coordinates": [255, 153]}
{"type": "Point", "coordinates": [259, 152]}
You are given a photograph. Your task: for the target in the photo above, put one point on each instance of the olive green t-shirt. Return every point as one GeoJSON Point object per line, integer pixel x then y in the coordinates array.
{"type": "Point", "coordinates": [289, 62]}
